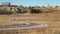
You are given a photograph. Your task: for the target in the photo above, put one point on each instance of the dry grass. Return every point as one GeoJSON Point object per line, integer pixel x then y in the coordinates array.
{"type": "Point", "coordinates": [52, 19]}
{"type": "Point", "coordinates": [49, 18]}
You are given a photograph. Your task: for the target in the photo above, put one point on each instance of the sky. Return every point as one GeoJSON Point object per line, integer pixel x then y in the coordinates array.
{"type": "Point", "coordinates": [33, 2]}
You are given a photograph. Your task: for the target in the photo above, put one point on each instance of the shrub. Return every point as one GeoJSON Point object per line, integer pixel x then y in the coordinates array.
{"type": "Point", "coordinates": [35, 11]}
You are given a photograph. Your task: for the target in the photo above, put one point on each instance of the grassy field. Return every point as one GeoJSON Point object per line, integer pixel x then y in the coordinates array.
{"type": "Point", "coordinates": [52, 19]}
{"type": "Point", "coordinates": [49, 18]}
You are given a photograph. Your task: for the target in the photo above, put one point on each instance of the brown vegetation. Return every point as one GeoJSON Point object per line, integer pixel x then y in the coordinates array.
{"type": "Point", "coordinates": [50, 16]}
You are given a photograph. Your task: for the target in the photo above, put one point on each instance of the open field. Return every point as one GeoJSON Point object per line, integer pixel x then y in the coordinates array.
{"type": "Point", "coordinates": [52, 19]}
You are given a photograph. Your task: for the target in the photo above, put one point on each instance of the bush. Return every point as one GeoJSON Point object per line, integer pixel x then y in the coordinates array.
{"type": "Point", "coordinates": [20, 11]}
{"type": "Point", "coordinates": [5, 12]}
{"type": "Point", "coordinates": [35, 11]}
